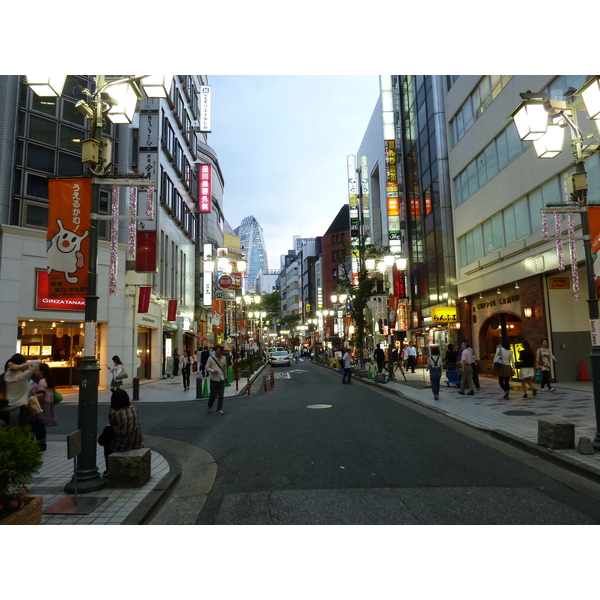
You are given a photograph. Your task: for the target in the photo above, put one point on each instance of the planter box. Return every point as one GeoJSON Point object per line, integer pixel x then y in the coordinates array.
{"type": "Point", "coordinates": [31, 514]}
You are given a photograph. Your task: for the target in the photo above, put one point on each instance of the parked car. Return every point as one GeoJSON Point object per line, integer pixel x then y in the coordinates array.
{"type": "Point", "coordinates": [280, 358]}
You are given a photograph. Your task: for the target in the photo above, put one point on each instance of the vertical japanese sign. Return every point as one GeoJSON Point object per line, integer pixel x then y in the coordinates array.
{"type": "Point", "coordinates": [144, 299]}
{"type": "Point", "coordinates": [148, 138]}
{"type": "Point", "coordinates": [205, 108]}
{"type": "Point", "coordinates": [364, 198]}
{"type": "Point", "coordinates": [68, 244]}
{"type": "Point", "coordinates": [354, 214]}
{"type": "Point", "coordinates": [145, 252]}
{"type": "Point", "coordinates": [172, 310]}
{"type": "Point", "coordinates": [205, 188]}
{"type": "Point", "coordinates": [218, 315]}
{"type": "Point", "coordinates": [393, 197]}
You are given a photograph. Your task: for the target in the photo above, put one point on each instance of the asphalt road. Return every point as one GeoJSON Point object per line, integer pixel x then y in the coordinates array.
{"type": "Point", "coordinates": [314, 451]}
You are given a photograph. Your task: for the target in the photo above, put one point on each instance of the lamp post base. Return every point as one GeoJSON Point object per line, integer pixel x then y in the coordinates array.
{"type": "Point", "coordinates": [86, 482]}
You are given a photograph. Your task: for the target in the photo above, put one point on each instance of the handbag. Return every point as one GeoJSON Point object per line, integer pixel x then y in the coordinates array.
{"type": "Point", "coordinates": [34, 406]}
{"type": "Point", "coordinates": [122, 375]}
{"type": "Point", "coordinates": [56, 396]}
{"type": "Point", "coordinates": [107, 436]}
{"type": "Point", "coordinates": [538, 375]}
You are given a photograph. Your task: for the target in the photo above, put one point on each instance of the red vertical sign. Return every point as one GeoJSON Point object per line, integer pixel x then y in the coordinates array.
{"type": "Point", "coordinates": [172, 311]}
{"type": "Point", "coordinates": [68, 253]}
{"type": "Point", "coordinates": [144, 300]}
{"type": "Point", "coordinates": [205, 192]}
{"type": "Point", "coordinates": [145, 251]}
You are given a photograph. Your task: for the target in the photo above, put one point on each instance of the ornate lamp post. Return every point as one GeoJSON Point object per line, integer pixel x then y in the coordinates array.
{"type": "Point", "coordinates": [543, 120]}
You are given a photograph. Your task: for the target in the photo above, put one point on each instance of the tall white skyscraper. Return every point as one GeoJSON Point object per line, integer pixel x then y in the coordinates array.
{"type": "Point", "coordinates": [253, 246]}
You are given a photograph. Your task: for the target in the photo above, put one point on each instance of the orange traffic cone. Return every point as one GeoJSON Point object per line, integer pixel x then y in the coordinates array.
{"type": "Point", "coordinates": [582, 372]}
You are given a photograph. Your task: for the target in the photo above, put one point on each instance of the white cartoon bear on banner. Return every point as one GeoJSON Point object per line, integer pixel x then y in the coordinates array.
{"type": "Point", "coordinates": [64, 252]}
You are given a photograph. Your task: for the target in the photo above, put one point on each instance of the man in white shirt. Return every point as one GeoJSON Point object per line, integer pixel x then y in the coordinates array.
{"type": "Point", "coordinates": [347, 360]}
{"type": "Point", "coordinates": [411, 357]}
{"type": "Point", "coordinates": [466, 362]}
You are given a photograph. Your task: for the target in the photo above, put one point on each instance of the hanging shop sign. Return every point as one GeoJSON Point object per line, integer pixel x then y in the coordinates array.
{"type": "Point", "coordinates": [68, 242]}
{"type": "Point", "coordinates": [144, 299]}
{"type": "Point", "coordinates": [205, 188]}
{"type": "Point", "coordinates": [444, 314]}
{"type": "Point", "coordinates": [172, 310]}
{"type": "Point", "coordinates": [205, 108]}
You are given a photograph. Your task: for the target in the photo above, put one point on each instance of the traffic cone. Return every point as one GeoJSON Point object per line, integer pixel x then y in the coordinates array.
{"type": "Point", "coordinates": [582, 372]}
{"type": "Point", "coordinates": [370, 372]}
{"type": "Point", "coordinates": [205, 393]}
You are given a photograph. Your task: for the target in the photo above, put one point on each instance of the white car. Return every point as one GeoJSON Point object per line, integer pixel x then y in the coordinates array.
{"type": "Point", "coordinates": [280, 358]}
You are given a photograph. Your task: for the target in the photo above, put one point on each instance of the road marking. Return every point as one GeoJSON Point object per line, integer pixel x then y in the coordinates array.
{"type": "Point", "coordinates": [319, 406]}
{"type": "Point", "coordinates": [299, 371]}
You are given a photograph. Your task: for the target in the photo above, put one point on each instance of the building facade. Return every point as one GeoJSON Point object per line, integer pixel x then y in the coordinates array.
{"type": "Point", "coordinates": [41, 139]}
{"type": "Point", "coordinates": [509, 284]}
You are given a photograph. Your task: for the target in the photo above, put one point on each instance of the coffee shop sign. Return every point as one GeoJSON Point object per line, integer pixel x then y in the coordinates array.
{"type": "Point", "coordinates": [498, 302]}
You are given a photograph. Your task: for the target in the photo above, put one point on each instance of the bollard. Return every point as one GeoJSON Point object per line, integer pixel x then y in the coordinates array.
{"type": "Point", "coordinates": [265, 382]}
{"type": "Point", "coordinates": [272, 379]}
{"type": "Point", "coordinates": [198, 388]}
{"type": "Point", "coordinates": [249, 387]}
{"type": "Point", "coordinates": [136, 388]}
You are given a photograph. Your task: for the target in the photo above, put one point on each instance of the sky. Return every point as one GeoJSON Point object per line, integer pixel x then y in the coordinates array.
{"type": "Point", "coordinates": [282, 144]}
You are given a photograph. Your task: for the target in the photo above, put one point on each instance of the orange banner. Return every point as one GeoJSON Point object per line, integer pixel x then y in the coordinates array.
{"type": "Point", "coordinates": [594, 227]}
{"type": "Point", "coordinates": [218, 316]}
{"type": "Point", "coordinates": [68, 242]}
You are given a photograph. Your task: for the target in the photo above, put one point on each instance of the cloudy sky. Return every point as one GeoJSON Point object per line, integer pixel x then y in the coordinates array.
{"type": "Point", "coordinates": [282, 143]}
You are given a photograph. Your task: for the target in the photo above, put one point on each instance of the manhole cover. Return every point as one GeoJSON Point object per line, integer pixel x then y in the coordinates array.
{"type": "Point", "coordinates": [319, 406]}
{"type": "Point", "coordinates": [519, 413]}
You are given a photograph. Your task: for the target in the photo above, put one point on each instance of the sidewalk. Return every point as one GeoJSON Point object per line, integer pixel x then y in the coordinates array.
{"type": "Point", "coordinates": [514, 420]}
{"type": "Point", "coordinates": [132, 506]}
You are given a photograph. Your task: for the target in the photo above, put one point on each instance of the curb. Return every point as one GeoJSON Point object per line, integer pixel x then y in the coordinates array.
{"type": "Point", "coordinates": [149, 506]}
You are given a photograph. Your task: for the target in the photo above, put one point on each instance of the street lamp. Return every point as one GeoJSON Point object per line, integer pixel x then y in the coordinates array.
{"type": "Point", "coordinates": [116, 100]}
{"type": "Point", "coordinates": [536, 118]}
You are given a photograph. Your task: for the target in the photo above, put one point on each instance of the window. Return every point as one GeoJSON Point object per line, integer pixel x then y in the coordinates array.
{"type": "Point", "coordinates": [510, 230]}
{"type": "Point", "coordinates": [42, 130]}
{"type": "Point", "coordinates": [40, 158]}
{"type": "Point", "coordinates": [70, 138]}
{"type": "Point", "coordinates": [36, 215]}
{"type": "Point", "coordinates": [37, 186]}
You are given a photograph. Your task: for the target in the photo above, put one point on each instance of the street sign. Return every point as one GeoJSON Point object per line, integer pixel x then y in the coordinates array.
{"type": "Point", "coordinates": [225, 281]}
{"type": "Point", "coordinates": [224, 295]}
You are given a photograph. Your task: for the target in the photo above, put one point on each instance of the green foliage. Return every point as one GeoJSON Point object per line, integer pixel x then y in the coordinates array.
{"type": "Point", "coordinates": [271, 303]}
{"type": "Point", "coordinates": [20, 459]}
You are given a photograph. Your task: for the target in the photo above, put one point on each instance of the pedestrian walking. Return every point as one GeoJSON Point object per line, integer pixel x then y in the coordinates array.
{"type": "Point", "coordinates": [216, 367]}
{"type": "Point", "coordinates": [527, 360]}
{"type": "Point", "coordinates": [411, 357]}
{"type": "Point", "coordinates": [117, 373]}
{"type": "Point", "coordinates": [503, 361]}
{"type": "Point", "coordinates": [543, 358]}
{"type": "Point", "coordinates": [347, 366]}
{"type": "Point", "coordinates": [466, 362]}
{"type": "Point", "coordinates": [434, 366]}
{"type": "Point", "coordinates": [185, 364]}
{"type": "Point", "coordinates": [379, 356]}
{"type": "Point", "coordinates": [176, 362]}
{"type": "Point", "coordinates": [473, 365]}
{"type": "Point", "coordinates": [204, 355]}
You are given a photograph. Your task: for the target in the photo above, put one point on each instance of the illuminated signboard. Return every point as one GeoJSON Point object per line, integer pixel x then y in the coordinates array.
{"type": "Point", "coordinates": [205, 192]}
{"type": "Point", "coordinates": [444, 314]}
